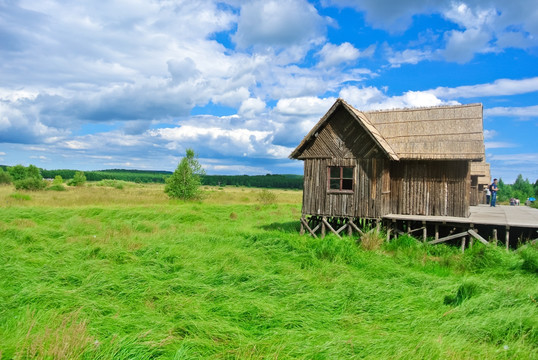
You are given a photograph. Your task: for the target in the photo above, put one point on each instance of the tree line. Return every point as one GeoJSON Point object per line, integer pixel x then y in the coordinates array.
{"type": "Point", "coordinates": [145, 176]}
{"type": "Point", "coordinates": [521, 189]}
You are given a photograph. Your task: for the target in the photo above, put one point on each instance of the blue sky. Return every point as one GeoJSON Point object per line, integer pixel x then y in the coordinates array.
{"type": "Point", "coordinates": [131, 84]}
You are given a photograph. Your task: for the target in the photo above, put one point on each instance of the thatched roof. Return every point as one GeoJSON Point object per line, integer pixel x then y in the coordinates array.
{"type": "Point", "coordinates": [435, 133]}
{"type": "Point", "coordinates": [443, 132]}
{"type": "Point", "coordinates": [481, 169]}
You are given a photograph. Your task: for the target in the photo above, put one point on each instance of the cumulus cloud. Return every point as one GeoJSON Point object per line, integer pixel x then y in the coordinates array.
{"type": "Point", "coordinates": [278, 23]}
{"type": "Point", "coordinates": [251, 107]}
{"type": "Point", "coordinates": [303, 106]}
{"type": "Point", "coordinates": [524, 111]}
{"type": "Point", "coordinates": [483, 26]}
{"type": "Point", "coordinates": [497, 88]}
{"type": "Point", "coordinates": [388, 14]}
{"type": "Point", "coordinates": [332, 55]}
{"type": "Point", "coordinates": [498, 145]}
{"type": "Point", "coordinates": [408, 56]}
{"type": "Point", "coordinates": [252, 143]}
{"type": "Point", "coordinates": [371, 98]}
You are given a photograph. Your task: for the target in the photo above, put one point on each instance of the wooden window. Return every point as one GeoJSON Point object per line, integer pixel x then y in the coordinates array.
{"type": "Point", "coordinates": [340, 178]}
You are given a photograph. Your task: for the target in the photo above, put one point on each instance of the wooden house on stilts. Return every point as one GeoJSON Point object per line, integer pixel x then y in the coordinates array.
{"type": "Point", "coordinates": [365, 165]}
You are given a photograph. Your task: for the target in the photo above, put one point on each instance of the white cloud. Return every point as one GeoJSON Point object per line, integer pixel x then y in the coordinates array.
{"type": "Point", "coordinates": [280, 24]}
{"type": "Point", "coordinates": [489, 134]}
{"type": "Point", "coordinates": [498, 145]}
{"type": "Point", "coordinates": [526, 158]}
{"type": "Point", "coordinates": [388, 14]}
{"type": "Point", "coordinates": [371, 98]}
{"type": "Point", "coordinates": [226, 142]}
{"type": "Point", "coordinates": [332, 55]}
{"type": "Point", "coordinates": [525, 111]}
{"type": "Point", "coordinates": [251, 107]}
{"type": "Point", "coordinates": [408, 56]}
{"type": "Point", "coordinates": [500, 87]}
{"type": "Point", "coordinates": [304, 106]}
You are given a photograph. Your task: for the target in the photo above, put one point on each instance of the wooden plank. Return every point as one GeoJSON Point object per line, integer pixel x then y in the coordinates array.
{"type": "Point", "coordinates": [477, 237]}
{"type": "Point", "coordinates": [355, 227]}
{"type": "Point", "coordinates": [450, 237]}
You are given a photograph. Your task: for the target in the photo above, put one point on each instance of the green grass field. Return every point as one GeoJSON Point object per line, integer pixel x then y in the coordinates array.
{"type": "Point", "coordinates": [124, 273]}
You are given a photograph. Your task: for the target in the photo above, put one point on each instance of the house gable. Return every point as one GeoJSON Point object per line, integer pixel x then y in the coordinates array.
{"type": "Point", "coordinates": [343, 133]}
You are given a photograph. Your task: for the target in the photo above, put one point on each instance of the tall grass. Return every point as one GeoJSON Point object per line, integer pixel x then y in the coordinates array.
{"type": "Point", "coordinates": [124, 277]}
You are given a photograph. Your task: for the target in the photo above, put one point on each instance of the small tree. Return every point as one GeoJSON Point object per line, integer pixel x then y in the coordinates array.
{"type": "Point", "coordinates": [5, 178]}
{"type": "Point", "coordinates": [78, 180]}
{"type": "Point", "coordinates": [17, 172]}
{"type": "Point", "coordinates": [185, 182]}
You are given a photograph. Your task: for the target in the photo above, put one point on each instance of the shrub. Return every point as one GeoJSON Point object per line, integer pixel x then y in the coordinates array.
{"type": "Point", "coordinates": [5, 178]}
{"type": "Point", "coordinates": [31, 183]}
{"type": "Point", "coordinates": [57, 187]}
{"type": "Point", "coordinates": [58, 180]}
{"type": "Point", "coordinates": [266, 197]}
{"type": "Point", "coordinates": [529, 254]}
{"type": "Point", "coordinates": [78, 180]}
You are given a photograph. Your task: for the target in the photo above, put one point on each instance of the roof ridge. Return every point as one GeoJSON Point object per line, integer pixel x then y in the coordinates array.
{"type": "Point", "coordinates": [421, 108]}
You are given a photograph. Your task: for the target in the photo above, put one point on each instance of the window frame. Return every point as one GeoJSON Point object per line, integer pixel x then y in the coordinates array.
{"type": "Point", "coordinates": [341, 179]}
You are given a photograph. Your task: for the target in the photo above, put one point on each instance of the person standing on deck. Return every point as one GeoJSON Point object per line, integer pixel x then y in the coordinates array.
{"type": "Point", "coordinates": [493, 188]}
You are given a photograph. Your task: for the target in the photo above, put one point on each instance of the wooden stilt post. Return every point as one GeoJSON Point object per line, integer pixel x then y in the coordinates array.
{"type": "Point", "coordinates": [471, 239]}
{"type": "Point", "coordinates": [322, 227]}
{"type": "Point", "coordinates": [495, 236]}
{"type": "Point", "coordinates": [436, 231]}
{"type": "Point", "coordinates": [302, 227]}
{"type": "Point", "coordinates": [424, 232]}
{"type": "Point", "coordinates": [349, 228]}
{"type": "Point", "coordinates": [389, 228]}
{"type": "Point", "coordinates": [507, 238]}
{"type": "Point", "coordinates": [463, 243]}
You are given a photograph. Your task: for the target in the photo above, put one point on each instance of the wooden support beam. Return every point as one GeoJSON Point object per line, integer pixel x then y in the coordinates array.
{"type": "Point", "coordinates": [450, 237]}
{"type": "Point", "coordinates": [475, 235]}
{"type": "Point", "coordinates": [356, 228]}
{"type": "Point", "coordinates": [302, 227]}
{"type": "Point", "coordinates": [341, 228]}
{"type": "Point", "coordinates": [436, 231]}
{"type": "Point", "coordinates": [417, 229]}
{"type": "Point", "coordinates": [495, 235]}
{"type": "Point", "coordinates": [349, 228]}
{"type": "Point", "coordinates": [323, 227]}
{"type": "Point", "coordinates": [305, 224]}
{"type": "Point", "coordinates": [424, 232]}
{"type": "Point", "coordinates": [507, 238]}
{"type": "Point", "coordinates": [463, 243]}
{"type": "Point", "coordinates": [326, 223]}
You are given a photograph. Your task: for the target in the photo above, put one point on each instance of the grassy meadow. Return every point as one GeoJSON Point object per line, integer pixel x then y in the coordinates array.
{"type": "Point", "coordinates": [122, 272]}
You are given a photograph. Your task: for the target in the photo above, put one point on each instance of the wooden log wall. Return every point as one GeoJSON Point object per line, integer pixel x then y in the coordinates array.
{"type": "Point", "coordinates": [475, 195]}
{"type": "Point", "coordinates": [371, 189]}
{"type": "Point", "coordinates": [439, 188]}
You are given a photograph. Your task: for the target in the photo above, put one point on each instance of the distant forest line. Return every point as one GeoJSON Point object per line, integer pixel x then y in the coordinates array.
{"type": "Point", "coordinates": [144, 176]}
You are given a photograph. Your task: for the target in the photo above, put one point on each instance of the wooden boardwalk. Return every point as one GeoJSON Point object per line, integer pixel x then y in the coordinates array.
{"type": "Point", "coordinates": [509, 223]}
{"type": "Point", "coordinates": [501, 216]}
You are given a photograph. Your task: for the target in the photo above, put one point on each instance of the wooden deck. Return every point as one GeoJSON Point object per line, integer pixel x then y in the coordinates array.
{"type": "Point", "coordinates": [501, 216]}
{"type": "Point", "coordinates": [512, 225]}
